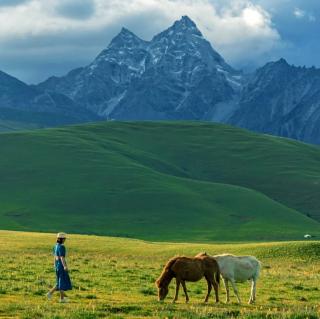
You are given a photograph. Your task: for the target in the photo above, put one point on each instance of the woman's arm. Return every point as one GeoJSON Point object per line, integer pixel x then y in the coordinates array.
{"type": "Point", "coordinates": [64, 263]}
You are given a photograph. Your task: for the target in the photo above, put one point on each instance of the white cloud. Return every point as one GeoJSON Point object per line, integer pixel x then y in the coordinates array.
{"type": "Point", "coordinates": [239, 29]}
{"type": "Point", "coordinates": [299, 13]}
{"type": "Point", "coordinates": [75, 9]}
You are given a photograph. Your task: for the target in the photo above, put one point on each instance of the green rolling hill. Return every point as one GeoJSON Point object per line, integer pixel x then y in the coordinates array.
{"type": "Point", "coordinates": [160, 181]}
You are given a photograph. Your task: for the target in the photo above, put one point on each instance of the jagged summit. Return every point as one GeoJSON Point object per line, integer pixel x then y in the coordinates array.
{"type": "Point", "coordinates": [179, 30]}
{"type": "Point", "coordinates": [127, 34]}
{"type": "Point", "coordinates": [126, 38]}
{"type": "Point", "coordinates": [282, 61]}
{"type": "Point", "coordinates": [176, 75]}
{"type": "Point", "coordinates": [185, 19]}
{"type": "Point", "coordinates": [185, 23]}
{"type": "Point", "coordinates": [282, 64]}
{"type": "Point", "coordinates": [125, 31]}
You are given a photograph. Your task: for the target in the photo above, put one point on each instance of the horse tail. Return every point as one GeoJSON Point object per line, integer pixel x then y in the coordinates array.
{"type": "Point", "coordinates": [258, 268]}
{"type": "Point", "coordinates": [166, 271]}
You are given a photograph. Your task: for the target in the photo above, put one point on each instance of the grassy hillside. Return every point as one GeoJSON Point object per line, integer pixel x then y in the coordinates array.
{"type": "Point", "coordinates": [114, 278]}
{"type": "Point", "coordinates": [159, 181]}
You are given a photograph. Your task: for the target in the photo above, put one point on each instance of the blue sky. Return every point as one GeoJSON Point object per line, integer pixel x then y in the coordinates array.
{"type": "Point", "coordinates": [41, 38]}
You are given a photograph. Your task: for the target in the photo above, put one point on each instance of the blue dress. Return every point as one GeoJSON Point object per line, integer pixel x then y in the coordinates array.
{"type": "Point", "coordinates": [63, 279]}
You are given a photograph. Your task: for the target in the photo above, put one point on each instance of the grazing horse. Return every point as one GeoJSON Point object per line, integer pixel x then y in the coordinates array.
{"type": "Point", "coordinates": [189, 269]}
{"type": "Point", "coordinates": [238, 269]}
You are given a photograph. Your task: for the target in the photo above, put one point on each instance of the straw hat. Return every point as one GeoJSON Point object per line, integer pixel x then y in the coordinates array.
{"type": "Point", "coordinates": [61, 235]}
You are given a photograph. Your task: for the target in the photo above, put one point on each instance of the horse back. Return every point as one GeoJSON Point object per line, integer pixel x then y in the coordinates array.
{"type": "Point", "coordinates": [240, 268]}
{"type": "Point", "coordinates": [189, 269]}
{"type": "Point", "coordinates": [209, 263]}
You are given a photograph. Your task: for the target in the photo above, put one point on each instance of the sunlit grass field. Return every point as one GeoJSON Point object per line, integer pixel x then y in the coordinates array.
{"type": "Point", "coordinates": [114, 278]}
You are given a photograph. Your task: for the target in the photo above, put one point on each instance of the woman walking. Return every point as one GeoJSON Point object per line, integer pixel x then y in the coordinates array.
{"type": "Point", "coordinates": [63, 280]}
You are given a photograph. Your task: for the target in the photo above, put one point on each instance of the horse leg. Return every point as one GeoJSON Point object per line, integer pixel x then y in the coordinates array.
{"type": "Point", "coordinates": [177, 290]}
{"type": "Point", "coordinates": [216, 290]}
{"type": "Point", "coordinates": [226, 285]}
{"type": "Point", "coordinates": [183, 283]}
{"type": "Point", "coordinates": [235, 289]}
{"type": "Point", "coordinates": [253, 291]}
{"type": "Point", "coordinates": [209, 290]}
{"type": "Point", "coordinates": [254, 288]}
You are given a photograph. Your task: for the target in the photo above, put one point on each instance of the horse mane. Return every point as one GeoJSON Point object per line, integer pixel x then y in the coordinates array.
{"type": "Point", "coordinates": [202, 254]}
{"type": "Point", "coordinates": [166, 272]}
{"type": "Point", "coordinates": [227, 254]}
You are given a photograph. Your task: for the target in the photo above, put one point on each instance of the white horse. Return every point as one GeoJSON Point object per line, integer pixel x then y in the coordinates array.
{"type": "Point", "coordinates": [238, 269]}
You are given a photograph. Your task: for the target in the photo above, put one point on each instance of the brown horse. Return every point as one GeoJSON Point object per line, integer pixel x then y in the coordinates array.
{"type": "Point", "coordinates": [189, 269]}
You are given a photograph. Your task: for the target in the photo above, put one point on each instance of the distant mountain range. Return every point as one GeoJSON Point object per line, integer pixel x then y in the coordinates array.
{"type": "Point", "coordinates": [283, 100]}
{"type": "Point", "coordinates": [175, 76]}
{"type": "Point", "coordinates": [23, 103]}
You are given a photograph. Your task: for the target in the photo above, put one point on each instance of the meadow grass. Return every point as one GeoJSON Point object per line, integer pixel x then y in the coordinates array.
{"type": "Point", "coordinates": [114, 278]}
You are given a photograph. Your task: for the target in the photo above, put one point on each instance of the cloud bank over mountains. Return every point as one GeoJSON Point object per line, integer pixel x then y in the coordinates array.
{"type": "Point", "coordinates": [40, 38]}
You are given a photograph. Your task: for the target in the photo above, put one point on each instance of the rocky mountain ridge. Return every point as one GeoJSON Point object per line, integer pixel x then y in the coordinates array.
{"type": "Point", "coordinates": [281, 99]}
{"type": "Point", "coordinates": [24, 103]}
{"type": "Point", "coordinates": [175, 76]}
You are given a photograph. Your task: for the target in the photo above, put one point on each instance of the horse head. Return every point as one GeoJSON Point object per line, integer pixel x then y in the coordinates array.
{"type": "Point", "coordinates": [163, 289]}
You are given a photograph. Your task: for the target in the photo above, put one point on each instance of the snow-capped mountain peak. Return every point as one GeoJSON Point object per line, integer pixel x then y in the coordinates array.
{"type": "Point", "coordinates": [177, 75]}
{"type": "Point", "coordinates": [131, 71]}
{"type": "Point", "coordinates": [180, 31]}
{"type": "Point", "coordinates": [127, 39]}
{"type": "Point", "coordinates": [186, 25]}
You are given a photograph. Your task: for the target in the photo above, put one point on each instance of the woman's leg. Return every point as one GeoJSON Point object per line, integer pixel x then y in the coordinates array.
{"type": "Point", "coordinates": [55, 288]}
{"type": "Point", "coordinates": [51, 291]}
{"type": "Point", "coordinates": [62, 295]}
